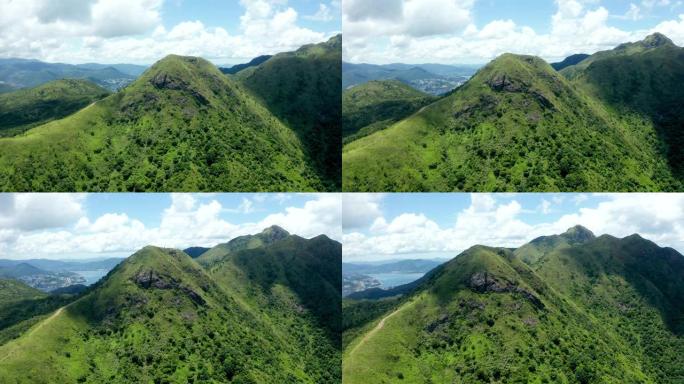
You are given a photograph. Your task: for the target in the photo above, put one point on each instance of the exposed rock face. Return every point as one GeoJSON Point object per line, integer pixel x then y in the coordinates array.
{"type": "Point", "coordinates": [148, 279]}
{"type": "Point", "coordinates": [504, 83]}
{"type": "Point", "coordinates": [483, 282]}
{"type": "Point", "coordinates": [443, 319]}
{"type": "Point", "coordinates": [165, 81]}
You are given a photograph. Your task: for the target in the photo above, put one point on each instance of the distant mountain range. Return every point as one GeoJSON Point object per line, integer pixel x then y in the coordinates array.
{"type": "Point", "coordinates": [434, 79]}
{"type": "Point", "coordinates": [252, 314]}
{"type": "Point", "coordinates": [611, 122]}
{"type": "Point", "coordinates": [181, 125]}
{"type": "Point", "coordinates": [570, 308]}
{"type": "Point", "coordinates": [22, 73]}
{"type": "Point", "coordinates": [52, 275]}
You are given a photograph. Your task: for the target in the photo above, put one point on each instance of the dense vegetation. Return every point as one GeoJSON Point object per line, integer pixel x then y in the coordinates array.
{"type": "Point", "coordinates": [303, 89]}
{"type": "Point", "coordinates": [22, 307]}
{"type": "Point", "coordinates": [182, 126]}
{"type": "Point", "coordinates": [160, 317]}
{"type": "Point", "coordinates": [570, 308]}
{"type": "Point", "coordinates": [375, 105]}
{"type": "Point", "coordinates": [27, 108]}
{"type": "Point", "coordinates": [518, 125]}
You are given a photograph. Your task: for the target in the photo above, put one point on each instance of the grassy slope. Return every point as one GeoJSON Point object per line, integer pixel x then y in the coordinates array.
{"type": "Point", "coordinates": [375, 105]}
{"type": "Point", "coordinates": [603, 319]}
{"type": "Point", "coordinates": [303, 89]}
{"type": "Point", "coordinates": [27, 108]}
{"type": "Point", "coordinates": [642, 78]}
{"type": "Point", "coordinates": [180, 325]}
{"type": "Point", "coordinates": [517, 125]}
{"type": "Point", "coordinates": [182, 126]}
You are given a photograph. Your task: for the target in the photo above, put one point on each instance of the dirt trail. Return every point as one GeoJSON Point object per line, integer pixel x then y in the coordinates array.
{"type": "Point", "coordinates": [42, 323]}
{"type": "Point", "coordinates": [373, 331]}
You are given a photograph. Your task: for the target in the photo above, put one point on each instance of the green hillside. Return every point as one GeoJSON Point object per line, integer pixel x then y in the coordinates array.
{"type": "Point", "coordinates": [27, 108]}
{"type": "Point", "coordinates": [22, 306]}
{"type": "Point", "coordinates": [375, 105]}
{"type": "Point", "coordinates": [518, 125]}
{"type": "Point", "coordinates": [653, 68]}
{"type": "Point", "coordinates": [159, 317]}
{"type": "Point", "coordinates": [268, 236]}
{"type": "Point", "coordinates": [182, 126]}
{"type": "Point", "coordinates": [589, 310]}
{"type": "Point", "coordinates": [303, 89]}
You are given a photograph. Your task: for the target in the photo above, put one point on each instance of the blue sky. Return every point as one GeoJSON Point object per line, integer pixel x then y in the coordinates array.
{"type": "Point", "coordinates": [77, 226]}
{"type": "Point", "coordinates": [226, 14]}
{"type": "Point", "coordinates": [477, 31]}
{"type": "Point", "coordinates": [144, 31]}
{"type": "Point", "coordinates": [395, 226]}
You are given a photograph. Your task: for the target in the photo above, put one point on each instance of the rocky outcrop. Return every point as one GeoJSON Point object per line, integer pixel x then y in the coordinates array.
{"type": "Point", "coordinates": [505, 83]}
{"type": "Point", "coordinates": [482, 282]}
{"type": "Point", "coordinates": [150, 279]}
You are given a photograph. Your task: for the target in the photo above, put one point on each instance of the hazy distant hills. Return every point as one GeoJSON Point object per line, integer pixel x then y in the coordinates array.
{"type": "Point", "coordinates": [565, 308]}
{"type": "Point", "coordinates": [434, 79]}
{"type": "Point", "coordinates": [21, 73]}
{"type": "Point", "coordinates": [185, 126]}
{"type": "Point", "coordinates": [608, 123]}
{"type": "Point", "coordinates": [52, 275]}
{"type": "Point", "coordinates": [255, 315]}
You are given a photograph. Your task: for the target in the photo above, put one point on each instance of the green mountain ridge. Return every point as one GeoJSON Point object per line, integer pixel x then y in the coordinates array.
{"type": "Point", "coordinates": [303, 89]}
{"type": "Point", "coordinates": [161, 317]}
{"type": "Point", "coordinates": [375, 105]}
{"type": "Point", "coordinates": [180, 126]}
{"type": "Point", "coordinates": [24, 109]}
{"type": "Point", "coordinates": [516, 125]}
{"type": "Point", "coordinates": [586, 310]}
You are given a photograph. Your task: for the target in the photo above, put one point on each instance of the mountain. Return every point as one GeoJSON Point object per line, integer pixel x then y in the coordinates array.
{"type": "Point", "coordinates": [195, 252]}
{"type": "Point", "coordinates": [66, 265]}
{"type": "Point", "coordinates": [518, 125]}
{"type": "Point", "coordinates": [302, 89]}
{"type": "Point", "coordinates": [268, 236]}
{"type": "Point", "coordinates": [375, 105]}
{"type": "Point", "coordinates": [20, 270]}
{"type": "Point", "coordinates": [570, 60]}
{"type": "Point", "coordinates": [434, 79]}
{"type": "Point", "coordinates": [161, 317]}
{"type": "Point", "coordinates": [239, 67]}
{"type": "Point", "coordinates": [21, 73]}
{"type": "Point", "coordinates": [181, 126]}
{"type": "Point", "coordinates": [24, 109]}
{"type": "Point", "coordinates": [588, 310]}
{"type": "Point", "coordinates": [640, 78]}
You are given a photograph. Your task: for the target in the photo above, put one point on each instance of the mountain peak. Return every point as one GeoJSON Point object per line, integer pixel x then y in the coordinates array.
{"type": "Point", "coordinates": [579, 234]}
{"type": "Point", "coordinates": [275, 232]}
{"type": "Point", "coordinates": [656, 40]}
